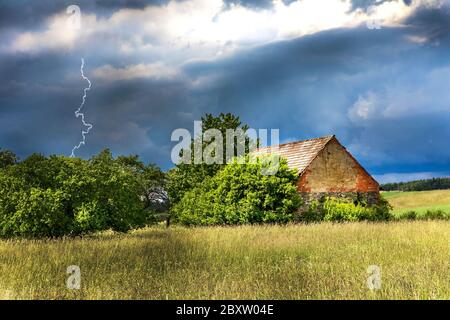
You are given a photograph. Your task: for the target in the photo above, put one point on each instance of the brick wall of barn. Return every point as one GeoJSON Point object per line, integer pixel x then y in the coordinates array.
{"type": "Point", "coordinates": [334, 172]}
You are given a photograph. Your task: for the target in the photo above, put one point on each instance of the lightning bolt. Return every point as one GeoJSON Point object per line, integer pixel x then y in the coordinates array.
{"type": "Point", "coordinates": [78, 112]}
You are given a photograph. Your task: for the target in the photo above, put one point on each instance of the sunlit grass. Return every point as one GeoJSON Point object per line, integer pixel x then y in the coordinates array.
{"type": "Point", "coordinates": [419, 201]}
{"type": "Point", "coordinates": [323, 261]}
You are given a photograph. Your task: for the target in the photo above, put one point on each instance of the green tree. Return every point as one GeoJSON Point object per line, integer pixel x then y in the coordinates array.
{"type": "Point", "coordinates": [185, 177]}
{"type": "Point", "coordinates": [151, 181]}
{"type": "Point", "coordinates": [419, 185]}
{"type": "Point", "coordinates": [7, 158]}
{"type": "Point", "coordinates": [55, 196]}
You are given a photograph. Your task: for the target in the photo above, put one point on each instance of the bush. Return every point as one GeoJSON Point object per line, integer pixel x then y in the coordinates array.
{"type": "Point", "coordinates": [239, 194]}
{"type": "Point", "coordinates": [428, 215]}
{"type": "Point", "coordinates": [343, 209]}
{"type": "Point", "coordinates": [381, 211]}
{"type": "Point", "coordinates": [434, 215]}
{"type": "Point", "coordinates": [410, 215]}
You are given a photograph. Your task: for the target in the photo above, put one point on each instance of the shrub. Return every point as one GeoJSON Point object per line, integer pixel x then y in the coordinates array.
{"type": "Point", "coordinates": [240, 193]}
{"type": "Point", "coordinates": [410, 215]}
{"type": "Point", "coordinates": [428, 215]}
{"type": "Point", "coordinates": [343, 209]}
{"type": "Point", "coordinates": [434, 215]}
{"type": "Point", "coordinates": [381, 211]}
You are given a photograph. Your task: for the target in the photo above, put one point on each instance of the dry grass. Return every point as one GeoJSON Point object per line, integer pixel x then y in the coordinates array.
{"type": "Point", "coordinates": [324, 261]}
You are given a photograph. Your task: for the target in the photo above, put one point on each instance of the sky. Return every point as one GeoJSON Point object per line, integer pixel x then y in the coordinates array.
{"type": "Point", "coordinates": [374, 73]}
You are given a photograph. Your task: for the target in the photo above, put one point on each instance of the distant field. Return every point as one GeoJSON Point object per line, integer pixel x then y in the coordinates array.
{"type": "Point", "coordinates": [419, 201]}
{"type": "Point", "coordinates": [322, 261]}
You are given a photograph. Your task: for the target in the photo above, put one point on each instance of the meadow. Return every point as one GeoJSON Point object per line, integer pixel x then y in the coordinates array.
{"type": "Point", "coordinates": [418, 201]}
{"type": "Point", "coordinates": [316, 261]}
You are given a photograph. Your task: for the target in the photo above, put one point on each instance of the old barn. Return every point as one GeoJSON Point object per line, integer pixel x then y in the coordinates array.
{"type": "Point", "coordinates": [326, 168]}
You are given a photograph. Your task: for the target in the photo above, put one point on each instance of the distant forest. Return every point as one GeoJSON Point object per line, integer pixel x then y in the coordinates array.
{"type": "Point", "coordinates": [418, 185]}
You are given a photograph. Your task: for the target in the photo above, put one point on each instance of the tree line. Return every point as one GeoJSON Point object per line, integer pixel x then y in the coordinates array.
{"type": "Point", "coordinates": [418, 185]}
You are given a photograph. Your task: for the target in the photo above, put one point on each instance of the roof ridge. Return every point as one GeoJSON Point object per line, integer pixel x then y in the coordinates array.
{"type": "Point", "coordinates": [299, 154]}
{"type": "Point", "coordinates": [329, 137]}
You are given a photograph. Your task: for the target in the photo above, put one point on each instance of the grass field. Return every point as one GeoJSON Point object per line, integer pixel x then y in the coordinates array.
{"type": "Point", "coordinates": [419, 201]}
{"type": "Point", "coordinates": [322, 261]}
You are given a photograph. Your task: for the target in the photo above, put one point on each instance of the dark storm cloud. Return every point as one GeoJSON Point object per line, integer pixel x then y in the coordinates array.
{"type": "Point", "coordinates": [434, 24]}
{"type": "Point", "coordinates": [416, 142]}
{"type": "Point", "coordinates": [366, 4]}
{"type": "Point", "coordinates": [23, 14]}
{"type": "Point", "coordinates": [37, 110]}
{"type": "Point", "coordinates": [255, 4]}
{"type": "Point", "coordinates": [309, 62]}
{"type": "Point", "coordinates": [306, 87]}
{"type": "Point", "coordinates": [133, 4]}
{"type": "Point", "coordinates": [31, 13]}
{"type": "Point", "coordinates": [258, 4]}
{"type": "Point", "coordinates": [33, 103]}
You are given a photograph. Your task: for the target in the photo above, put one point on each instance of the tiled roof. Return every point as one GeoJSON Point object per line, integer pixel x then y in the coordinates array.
{"type": "Point", "coordinates": [298, 154]}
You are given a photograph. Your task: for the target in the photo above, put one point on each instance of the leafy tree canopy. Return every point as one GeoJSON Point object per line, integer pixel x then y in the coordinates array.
{"type": "Point", "coordinates": [7, 158]}
{"type": "Point", "coordinates": [55, 196]}
{"type": "Point", "coordinates": [185, 177]}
